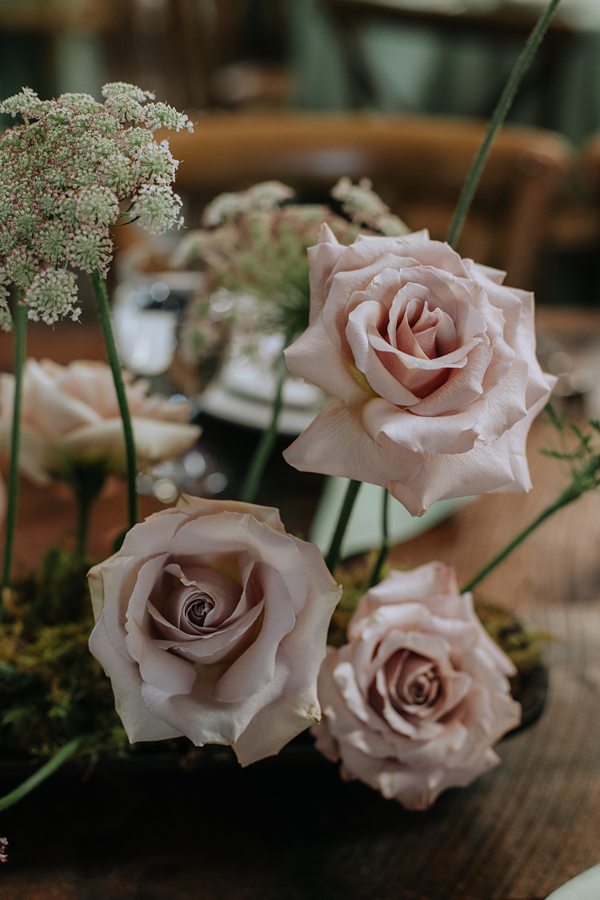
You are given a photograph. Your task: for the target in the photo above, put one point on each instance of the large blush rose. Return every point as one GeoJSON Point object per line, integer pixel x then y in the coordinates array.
{"type": "Point", "coordinates": [414, 702]}
{"type": "Point", "coordinates": [70, 413]}
{"type": "Point", "coordinates": [211, 622]}
{"type": "Point", "coordinates": [430, 363]}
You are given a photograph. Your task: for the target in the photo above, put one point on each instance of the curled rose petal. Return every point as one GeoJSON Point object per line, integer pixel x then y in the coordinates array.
{"type": "Point", "coordinates": [211, 622]}
{"type": "Point", "coordinates": [430, 364]}
{"type": "Point", "coordinates": [416, 699]}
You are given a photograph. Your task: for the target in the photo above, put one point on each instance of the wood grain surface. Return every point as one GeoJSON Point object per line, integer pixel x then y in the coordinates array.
{"type": "Point", "coordinates": [291, 832]}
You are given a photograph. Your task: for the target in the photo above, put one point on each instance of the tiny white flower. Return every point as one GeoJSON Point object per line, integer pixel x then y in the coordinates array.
{"type": "Point", "coordinates": [52, 241]}
{"type": "Point", "coordinates": [91, 250]}
{"type": "Point", "coordinates": [155, 162]}
{"type": "Point", "coordinates": [51, 295]}
{"type": "Point", "coordinates": [97, 206]}
{"type": "Point", "coordinates": [156, 208]}
{"type": "Point", "coordinates": [65, 173]}
{"type": "Point", "coordinates": [19, 267]}
{"type": "Point", "coordinates": [123, 89]}
{"type": "Point", "coordinates": [160, 115]}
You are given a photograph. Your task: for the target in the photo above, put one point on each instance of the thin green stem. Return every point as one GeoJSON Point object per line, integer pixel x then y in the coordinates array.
{"type": "Point", "coordinates": [115, 365]}
{"type": "Point", "coordinates": [569, 495]}
{"type": "Point", "coordinates": [504, 104]}
{"type": "Point", "coordinates": [20, 326]}
{"type": "Point", "coordinates": [333, 555]}
{"type": "Point", "coordinates": [54, 763]}
{"type": "Point", "coordinates": [86, 480]}
{"type": "Point", "coordinates": [267, 440]}
{"type": "Point", "coordinates": [384, 549]}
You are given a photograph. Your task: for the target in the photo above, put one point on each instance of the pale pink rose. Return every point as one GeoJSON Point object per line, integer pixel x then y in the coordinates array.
{"type": "Point", "coordinates": [415, 700]}
{"type": "Point", "coordinates": [211, 622]}
{"type": "Point", "coordinates": [430, 363]}
{"type": "Point", "coordinates": [70, 413]}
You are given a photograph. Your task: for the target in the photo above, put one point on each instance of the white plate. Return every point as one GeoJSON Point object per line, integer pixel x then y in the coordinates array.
{"type": "Point", "coordinates": [240, 409]}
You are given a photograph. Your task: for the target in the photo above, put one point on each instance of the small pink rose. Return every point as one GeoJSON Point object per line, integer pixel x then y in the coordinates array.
{"type": "Point", "coordinates": [415, 700]}
{"type": "Point", "coordinates": [70, 413]}
{"type": "Point", "coordinates": [430, 365]}
{"type": "Point", "coordinates": [211, 622]}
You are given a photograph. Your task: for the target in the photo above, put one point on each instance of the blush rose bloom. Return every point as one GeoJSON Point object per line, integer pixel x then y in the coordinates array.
{"type": "Point", "coordinates": [413, 703]}
{"type": "Point", "coordinates": [430, 363]}
{"type": "Point", "coordinates": [70, 413]}
{"type": "Point", "coordinates": [211, 622]}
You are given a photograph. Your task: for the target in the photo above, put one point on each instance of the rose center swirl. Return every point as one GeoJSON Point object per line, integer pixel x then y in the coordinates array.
{"type": "Point", "coordinates": [412, 682]}
{"type": "Point", "coordinates": [196, 608]}
{"type": "Point", "coordinates": [423, 689]}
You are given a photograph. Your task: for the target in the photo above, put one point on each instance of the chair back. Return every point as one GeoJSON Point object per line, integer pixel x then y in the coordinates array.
{"type": "Point", "coordinates": [417, 165]}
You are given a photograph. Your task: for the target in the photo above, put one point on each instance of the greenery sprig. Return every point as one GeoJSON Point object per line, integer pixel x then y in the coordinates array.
{"type": "Point", "coordinates": [584, 468]}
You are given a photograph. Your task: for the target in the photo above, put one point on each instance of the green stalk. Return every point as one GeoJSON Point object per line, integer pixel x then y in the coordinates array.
{"type": "Point", "coordinates": [54, 763]}
{"type": "Point", "coordinates": [504, 104]}
{"type": "Point", "coordinates": [20, 325]}
{"type": "Point", "coordinates": [465, 199]}
{"type": "Point", "coordinates": [375, 576]}
{"type": "Point", "coordinates": [267, 440]}
{"type": "Point", "coordinates": [569, 495]}
{"type": "Point", "coordinates": [115, 365]}
{"type": "Point", "coordinates": [333, 555]}
{"type": "Point", "coordinates": [86, 480]}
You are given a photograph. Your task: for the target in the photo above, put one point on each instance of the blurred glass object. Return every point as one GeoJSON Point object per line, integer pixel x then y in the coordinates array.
{"type": "Point", "coordinates": [149, 322]}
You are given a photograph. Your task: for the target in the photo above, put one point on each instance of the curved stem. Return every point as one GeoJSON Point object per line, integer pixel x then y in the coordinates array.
{"type": "Point", "coordinates": [115, 365]}
{"type": "Point", "coordinates": [20, 325]}
{"type": "Point", "coordinates": [333, 555]}
{"type": "Point", "coordinates": [568, 496]}
{"type": "Point", "coordinates": [267, 439]}
{"type": "Point", "coordinates": [54, 763]}
{"type": "Point", "coordinates": [385, 540]}
{"type": "Point", "coordinates": [517, 74]}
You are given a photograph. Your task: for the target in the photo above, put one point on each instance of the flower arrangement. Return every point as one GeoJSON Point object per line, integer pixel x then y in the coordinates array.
{"type": "Point", "coordinates": [210, 620]}
{"type": "Point", "coordinates": [253, 252]}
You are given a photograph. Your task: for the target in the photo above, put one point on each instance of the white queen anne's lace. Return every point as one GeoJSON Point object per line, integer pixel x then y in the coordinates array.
{"type": "Point", "coordinates": [73, 168]}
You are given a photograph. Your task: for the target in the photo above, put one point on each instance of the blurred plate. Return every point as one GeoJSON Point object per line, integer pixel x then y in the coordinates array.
{"type": "Point", "coordinates": [243, 395]}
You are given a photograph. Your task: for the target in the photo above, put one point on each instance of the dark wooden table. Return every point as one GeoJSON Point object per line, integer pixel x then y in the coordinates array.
{"type": "Point", "coordinates": [292, 831]}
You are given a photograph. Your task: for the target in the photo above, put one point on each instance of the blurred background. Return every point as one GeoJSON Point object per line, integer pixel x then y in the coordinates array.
{"type": "Point", "coordinates": [309, 91]}
{"type": "Point", "coordinates": [430, 61]}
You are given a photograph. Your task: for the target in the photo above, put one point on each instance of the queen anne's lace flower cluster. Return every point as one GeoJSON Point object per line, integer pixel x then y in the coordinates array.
{"type": "Point", "coordinates": [70, 171]}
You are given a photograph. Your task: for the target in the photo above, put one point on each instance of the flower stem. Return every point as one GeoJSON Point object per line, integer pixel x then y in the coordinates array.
{"type": "Point", "coordinates": [267, 439]}
{"type": "Point", "coordinates": [333, 555]}
{"type": "Point", "coordinates": [115, 365]}
{"type": "Point", "coordinates": [569, 495]}
{"type": "Point", "coordinates": [385, 540]}
{"type": "Point", "coordinates": [504, 104]}
{"type": "Point", "coordinates": [20, 324]}
{"type": "Point", "coordinates": [54, 763]}
{"type": "Point", "coordinates": [86, 480]}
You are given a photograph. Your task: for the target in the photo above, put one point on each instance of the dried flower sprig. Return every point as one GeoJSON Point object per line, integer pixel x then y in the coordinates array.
{"type": "Point", "coordinates": [255, 242]}
{"type": "Point", "coordinates": [584, 476]}
{"type": "Point", "coordinates": [73, 168]}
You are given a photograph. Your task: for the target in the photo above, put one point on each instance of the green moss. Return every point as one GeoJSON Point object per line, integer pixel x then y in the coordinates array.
{"type": "Point", "coordinates": [51, 687]}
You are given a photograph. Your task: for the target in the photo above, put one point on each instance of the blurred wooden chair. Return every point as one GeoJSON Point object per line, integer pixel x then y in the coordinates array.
{"type": "Point", "coordinates": [417, 165]}
{"type": "Point", "coordinates": [498, 27]}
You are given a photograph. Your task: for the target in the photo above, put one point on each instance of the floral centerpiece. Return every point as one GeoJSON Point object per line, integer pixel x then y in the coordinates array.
{"type": "Point", "coordinates": [210, 619]}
